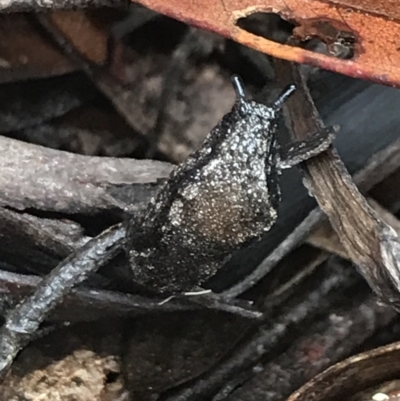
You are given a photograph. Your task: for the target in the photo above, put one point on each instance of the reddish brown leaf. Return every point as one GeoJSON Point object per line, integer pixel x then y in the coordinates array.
{"type": "Point", "coordinates": [373, 25]}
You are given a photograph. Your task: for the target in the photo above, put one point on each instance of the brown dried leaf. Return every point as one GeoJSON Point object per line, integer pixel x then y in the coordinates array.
{"type": "Point", "coordinates": [87, 30]}
{"type": "Point", "coordinates": [25, 54]}
{"type": "Point", "coordinates": [373, 26]}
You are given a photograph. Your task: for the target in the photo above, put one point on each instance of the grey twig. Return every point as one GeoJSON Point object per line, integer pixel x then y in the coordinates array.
{"type": "Point", "coordinates": [51, 180]}
{"type": "Point", "coordinates": [23, 321]}
{"type": "Point", "coordinates": [86, 304]}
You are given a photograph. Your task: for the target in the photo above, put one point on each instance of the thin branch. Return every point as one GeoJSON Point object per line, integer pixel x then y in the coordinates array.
{"type": "Point", "coordinates": [23, 321]}
{"type": "Point", "coordinates": [86, 304]}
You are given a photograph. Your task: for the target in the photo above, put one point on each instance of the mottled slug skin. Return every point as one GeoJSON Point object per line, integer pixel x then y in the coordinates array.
{"type": "Point", "coordinates": [223, 196]}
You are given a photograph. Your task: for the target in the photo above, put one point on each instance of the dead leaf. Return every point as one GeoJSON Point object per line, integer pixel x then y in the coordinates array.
{"type": "Point", "coordinates": [23, 52]}
{"type": "Point", "coordinates": [87, 30]}
{"type": "Point", "coordinates": [372, 26]}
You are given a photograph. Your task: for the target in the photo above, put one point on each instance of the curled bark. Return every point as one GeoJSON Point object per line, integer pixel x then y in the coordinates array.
{"type": "Point", "coordinates": [371, 244]}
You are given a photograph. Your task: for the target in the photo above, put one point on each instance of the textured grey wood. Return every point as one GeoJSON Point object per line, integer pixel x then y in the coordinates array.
{"type": "Point", "coordinates": [51, 180]}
